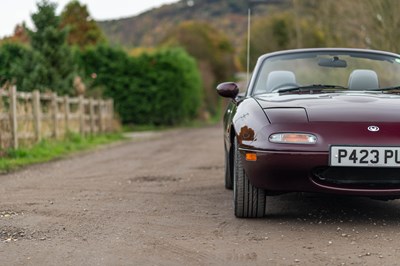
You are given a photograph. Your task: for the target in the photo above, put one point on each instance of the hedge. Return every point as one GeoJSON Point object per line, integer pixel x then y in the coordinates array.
{"type": "Point", "coordinates": [159, 88]}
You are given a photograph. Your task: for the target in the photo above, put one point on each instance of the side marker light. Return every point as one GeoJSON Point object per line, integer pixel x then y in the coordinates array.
{"type": "Point", "coordinates": [251, 157]}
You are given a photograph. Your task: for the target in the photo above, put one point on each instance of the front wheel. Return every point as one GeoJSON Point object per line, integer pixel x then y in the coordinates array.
{"type": "Point", "coordinates": [249, 201]}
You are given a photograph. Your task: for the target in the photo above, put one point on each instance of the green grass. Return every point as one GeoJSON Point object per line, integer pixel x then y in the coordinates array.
{"type": "Point", "coordinates": [47, 150]}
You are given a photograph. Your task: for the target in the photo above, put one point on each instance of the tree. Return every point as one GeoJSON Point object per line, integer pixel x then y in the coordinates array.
{"type": "Point", "coordinates": [381, 24]}
{"type": "Point", "coordinates": [83, 30]}
{"type": "Point", "coordinates": [19, 36]}
{"type": "Point", "coordinates": [213, 52]}
{"type": "Point", "coordinates": [52, 57]}
{"type": "Point", "coordinates": [357, 23]}
{"type": "Point", "coordinates": [282, 31]}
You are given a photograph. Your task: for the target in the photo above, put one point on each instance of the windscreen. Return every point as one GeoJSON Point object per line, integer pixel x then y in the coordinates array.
{"type": "Point", "coordinates": [351, 70]}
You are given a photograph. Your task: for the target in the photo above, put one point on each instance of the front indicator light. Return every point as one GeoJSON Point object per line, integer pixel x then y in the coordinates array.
{"type": "Point", "coordinates": [251, 157]}
{"type": "Point", "coordinates": [293, 138]}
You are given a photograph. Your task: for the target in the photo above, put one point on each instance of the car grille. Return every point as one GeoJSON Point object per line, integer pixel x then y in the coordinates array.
{"type": "Point", "coordinates": [365, 177]}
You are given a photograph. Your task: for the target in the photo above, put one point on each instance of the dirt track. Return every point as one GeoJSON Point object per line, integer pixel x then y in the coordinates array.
{"type": "Point", "coordinates": [160, 200]}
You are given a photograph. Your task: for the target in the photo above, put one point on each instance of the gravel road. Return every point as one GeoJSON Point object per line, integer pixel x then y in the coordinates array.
{"type": "Point", "coordinates": [160, 200]}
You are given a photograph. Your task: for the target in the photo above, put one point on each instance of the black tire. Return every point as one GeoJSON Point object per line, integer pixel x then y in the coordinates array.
{"type": "Point", "coordinates": [228, 173]}
{"type": "Point", "coordinates": [249, 201]}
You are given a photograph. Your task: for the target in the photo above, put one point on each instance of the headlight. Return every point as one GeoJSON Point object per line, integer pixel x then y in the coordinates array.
{"type": "Point", "coordinates": [293, 138]}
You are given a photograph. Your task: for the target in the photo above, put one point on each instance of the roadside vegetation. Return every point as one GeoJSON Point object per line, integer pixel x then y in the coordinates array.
{"type": "Point", "coordinates": [47, 150]}
{"type": "Point", "coordinates": [154, 88]}
{"type": "Point", "coordinates": [68, 54]}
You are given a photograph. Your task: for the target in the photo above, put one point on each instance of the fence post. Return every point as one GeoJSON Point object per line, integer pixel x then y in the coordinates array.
{"type": "Point", "coordinates": [111, 114]}
{"type": "Point", "coordinates": [37, 115]}
{"type": "Point", "coordinates": [13, 117]}
{"type": "Point", "coordinates": [91, 114]}
{"type": "Point", "coordinates": [81, 115]}
{"type": "Point", "coordinates": [101, 114]}
{"type": "Point", "coordinates": [54, 107]}
{"type": "Point", "coordinates": [66, 109]}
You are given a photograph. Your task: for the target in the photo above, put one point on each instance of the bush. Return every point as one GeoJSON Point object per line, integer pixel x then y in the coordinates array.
{"type": "Point", "coordinates": [161, 88]}
{"type": "Point", "coordinates": [10, 55]}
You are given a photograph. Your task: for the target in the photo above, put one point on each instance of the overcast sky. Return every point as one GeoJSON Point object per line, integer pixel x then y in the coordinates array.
{"type": "Point", "coordinates": [13, 12]}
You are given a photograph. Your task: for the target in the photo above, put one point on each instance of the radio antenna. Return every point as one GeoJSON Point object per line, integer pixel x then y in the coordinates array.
{"type": "Point", "coordinates": [248, 43]}
{"type": "Point", "coordinates": [250, 3]}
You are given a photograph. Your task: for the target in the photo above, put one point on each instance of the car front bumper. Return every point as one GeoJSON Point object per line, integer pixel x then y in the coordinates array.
{"type": "Point", "coordinates": [281, 172]}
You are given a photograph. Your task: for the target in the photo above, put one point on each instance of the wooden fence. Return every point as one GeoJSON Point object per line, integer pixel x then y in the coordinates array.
{"type": "Point", "coordinates": [26, 118]}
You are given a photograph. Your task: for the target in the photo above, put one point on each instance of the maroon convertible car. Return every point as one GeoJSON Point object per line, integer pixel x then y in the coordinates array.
{"type": "Point", "coordinates": [314, 120]}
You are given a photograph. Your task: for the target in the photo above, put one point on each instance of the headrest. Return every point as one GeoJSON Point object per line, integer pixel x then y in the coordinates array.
{"type": "Point", "coordinates": [363, 79]}
{"type": "Point", "coordinates": [277, 78]}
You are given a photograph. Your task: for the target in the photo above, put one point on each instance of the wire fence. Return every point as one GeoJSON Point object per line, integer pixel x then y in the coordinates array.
{"type": "Point", "coordinates": [28, 117]}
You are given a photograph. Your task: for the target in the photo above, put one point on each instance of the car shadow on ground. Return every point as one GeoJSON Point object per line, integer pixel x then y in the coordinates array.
{"type": "Point", "coordinates": [331, 209]}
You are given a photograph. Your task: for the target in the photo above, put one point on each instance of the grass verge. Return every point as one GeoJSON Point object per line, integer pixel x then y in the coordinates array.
{"type": "Point", "coordinates": [47, 150]}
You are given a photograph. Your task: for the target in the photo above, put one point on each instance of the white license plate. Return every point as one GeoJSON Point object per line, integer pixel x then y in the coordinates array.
{"type": "Point", "coordinates": [358, 156]}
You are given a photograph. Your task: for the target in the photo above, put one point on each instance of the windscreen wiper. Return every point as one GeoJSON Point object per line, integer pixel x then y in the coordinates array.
{"type": "Point", "coordinates": [387, 88]}
{"type": "Point", "coordinates": [312, 87]}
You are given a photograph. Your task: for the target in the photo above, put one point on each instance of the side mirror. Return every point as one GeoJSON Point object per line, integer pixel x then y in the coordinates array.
{"type": "Point", "coordinates": [228, 90]}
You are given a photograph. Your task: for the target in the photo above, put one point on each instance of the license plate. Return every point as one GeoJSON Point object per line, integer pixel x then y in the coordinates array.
{"type": "Point", "coordinates": [365, 156]}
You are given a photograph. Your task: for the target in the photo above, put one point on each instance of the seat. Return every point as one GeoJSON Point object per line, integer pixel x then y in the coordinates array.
{"type": "Point", "coordinates": [363, 79]}
{"type": "Point", "coordinates": [280, 78]}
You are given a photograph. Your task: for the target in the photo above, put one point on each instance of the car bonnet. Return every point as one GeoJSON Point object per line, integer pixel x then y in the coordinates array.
{"type": "Point", "coordinates": [347, 107]}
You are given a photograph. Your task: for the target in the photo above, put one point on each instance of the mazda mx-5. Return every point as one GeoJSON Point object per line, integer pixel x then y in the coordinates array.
{"type": "Point", "coordinates": [314, 120]}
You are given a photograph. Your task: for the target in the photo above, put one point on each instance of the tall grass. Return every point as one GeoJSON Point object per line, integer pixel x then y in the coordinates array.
{"type": "Point", "coordinates": [47, 150]}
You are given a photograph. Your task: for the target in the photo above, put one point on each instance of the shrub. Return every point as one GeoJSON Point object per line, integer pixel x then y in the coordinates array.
{"type": "Point", "coordinates": [10, 55]}
{"type": "Point", "coordinates": [160, 88]}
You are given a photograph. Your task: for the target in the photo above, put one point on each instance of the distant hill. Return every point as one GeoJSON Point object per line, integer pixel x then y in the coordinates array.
{"type": "Point", "coordinates": [149, 28]}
